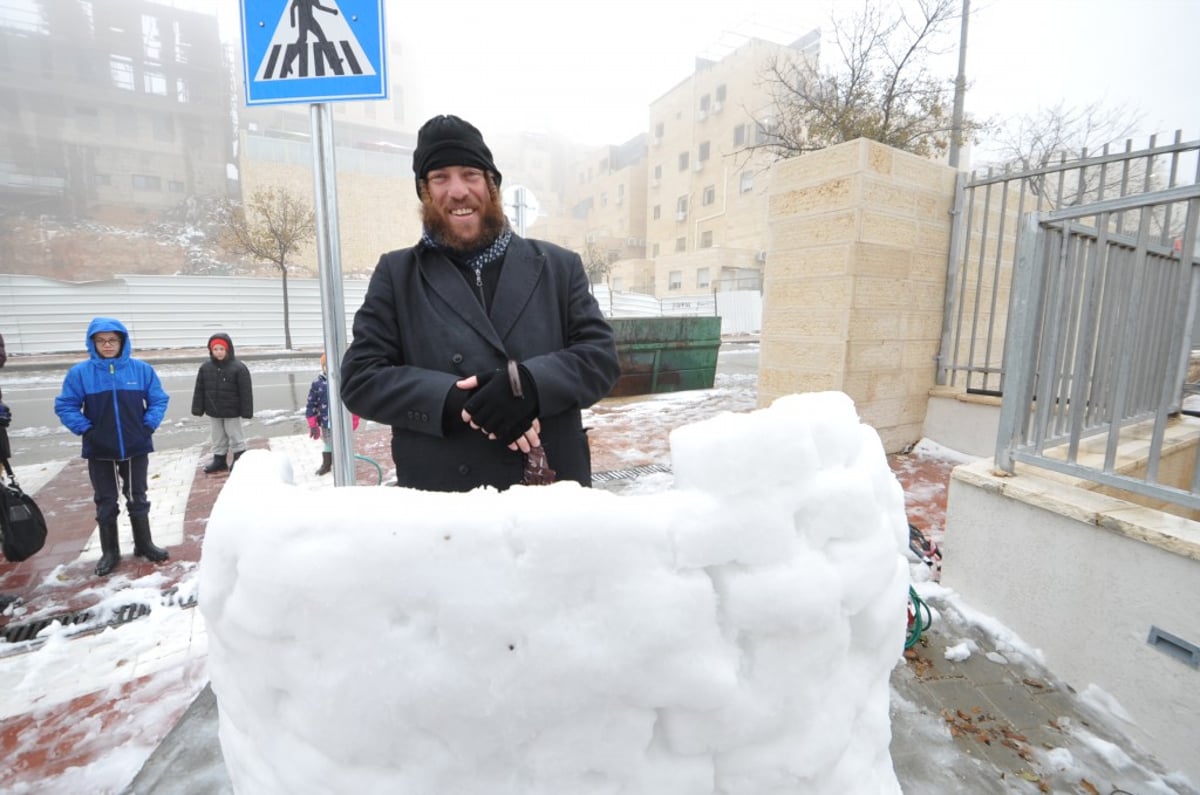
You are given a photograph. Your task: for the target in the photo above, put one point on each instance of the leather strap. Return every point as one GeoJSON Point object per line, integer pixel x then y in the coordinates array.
{"type": "Point", "coordinates": [514, 379]}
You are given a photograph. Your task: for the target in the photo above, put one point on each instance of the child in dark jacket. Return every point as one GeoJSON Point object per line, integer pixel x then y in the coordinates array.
{"type": "Point", "coordinates": [224, 392]}
{"type": "Point", "coordinates": [316, 411]}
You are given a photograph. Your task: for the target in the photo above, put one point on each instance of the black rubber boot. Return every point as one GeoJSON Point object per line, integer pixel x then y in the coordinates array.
{"type": "Point", "coordinates": [110, 549]}
{"type": "Point", "coordinates": [7, 599]}
{"type": "Point", "coordinates": [218, 465]}
{"type": "Point", "coordinates": [143, 545]}
{"type": "Point", "coordinates": [326, 464]}
{"type": "Point", "coordinates": [236, 456]}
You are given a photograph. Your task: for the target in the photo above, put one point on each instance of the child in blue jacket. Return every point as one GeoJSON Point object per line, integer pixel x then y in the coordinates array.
{"type": "Point", "coordinates": [116, 403]}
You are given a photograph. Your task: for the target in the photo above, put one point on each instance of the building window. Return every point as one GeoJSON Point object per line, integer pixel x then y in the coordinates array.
{"type": "Point", "coordinates": [658, 171]}
{"type": "Point", "coordinates": [658, 130]}
{"type": "Point", "coordinates": [154, 83]}
{"type": "Point", "coordinates": [120, 69]}
{"type": "Point", "coordinates": [721, 93]}
{"type": "Point", "coordinates": [710, 195]}
{"type": "Point", "coordinates": [764, 131]}
{"type": "Point", "coordinates": [706, 242]}
{"type": "Point", "coordinates": [182, 48]}
{"type": "Point", "coordinates": [146, 182]}
{"type": "Point", "coordinates": [702, 155]}
{"type": "Point", "coordinates": [747, 181]}
{"type": "Point", "coordinates": [654, 250]}
{"type": "Point", "coordinates": [702, 277]}
{"type": "Point", "coordinates": [675, 279]}
{"type": "Point", "coordinates": [705, 103]}
{"type": "Point", "coordinates": [151, 38]}
{"type": "Point", "coordinates": [739, 135]}
{"type": "Point", "coordinates": [657, 211]}
{"type": "Point", "coordinates": [103, 179]}
{"type": "Point", "coordinates": [175, 186]}
{"type": "Point", "coordinates": [621, 193]}
{"type": "Point", "coordinates": [603, 198]}
{"type": "Point", "coordinates": [683, 161]}
{"type": "Point", "coordinates": [681, 208]}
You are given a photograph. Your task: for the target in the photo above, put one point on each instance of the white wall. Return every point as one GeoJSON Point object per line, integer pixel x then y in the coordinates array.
{"type": "Point", "coordinates": [39, 316]}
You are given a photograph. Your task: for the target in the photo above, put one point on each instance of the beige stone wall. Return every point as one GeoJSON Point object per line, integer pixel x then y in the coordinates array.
{"type": "Point", "coordinates": [854, 282]}
{"type": "Point", "coordinates": [375, 214]}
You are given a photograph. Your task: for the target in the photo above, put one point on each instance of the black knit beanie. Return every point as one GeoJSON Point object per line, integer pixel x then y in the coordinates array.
{"type": "Point", "coordinates": [450, 141]}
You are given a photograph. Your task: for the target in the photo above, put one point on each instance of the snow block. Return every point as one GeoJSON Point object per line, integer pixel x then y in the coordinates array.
{"type": "Point", "coordinates": [733, 635]}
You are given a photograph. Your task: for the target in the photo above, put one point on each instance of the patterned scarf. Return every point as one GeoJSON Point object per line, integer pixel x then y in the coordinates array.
{"type": "Point", "coordinates": [482, 257]}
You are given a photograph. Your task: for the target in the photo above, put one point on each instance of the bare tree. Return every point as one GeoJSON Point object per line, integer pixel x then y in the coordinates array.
{"type": "Point", "coordinates": [597, 263]}
{"type": "Point", "coordinates": [879, 85]}
{"type": "Point", "coordinates": [271, 226]}
{"type": "Point", "coordinates": [1059, 135]}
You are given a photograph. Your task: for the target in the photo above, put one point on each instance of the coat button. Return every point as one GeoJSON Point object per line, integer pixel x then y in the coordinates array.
{"type": "Point", "coordinates": [424, 417]}
{"type": "Point", "coordinates": [463, 469]}
{"type": "Point", "coordinates": [457, 358]}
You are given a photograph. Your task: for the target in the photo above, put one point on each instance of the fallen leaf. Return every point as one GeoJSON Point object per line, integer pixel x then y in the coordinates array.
{"type": "Point", "coordinates": [1087, 785]}
{"type": "Point", "coordinates": [1029, 775]}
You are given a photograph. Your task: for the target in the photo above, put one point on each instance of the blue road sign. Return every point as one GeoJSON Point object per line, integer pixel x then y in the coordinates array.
{"type": "Point", "coordinates": [304, 51]}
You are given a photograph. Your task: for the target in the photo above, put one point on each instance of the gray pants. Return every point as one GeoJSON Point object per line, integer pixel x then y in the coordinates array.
{"type": "Point", "coordinates": [227, 434]}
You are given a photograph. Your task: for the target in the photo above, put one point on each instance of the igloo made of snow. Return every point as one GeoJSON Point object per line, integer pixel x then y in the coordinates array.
{"type": "Point", "coordinates": [733, 633]}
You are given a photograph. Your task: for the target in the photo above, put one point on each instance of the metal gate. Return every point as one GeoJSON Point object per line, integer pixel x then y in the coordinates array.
{"type": "Point", "coordinates": [1099, 341]}
{"type": "Point", "coordinates": [986, 234]}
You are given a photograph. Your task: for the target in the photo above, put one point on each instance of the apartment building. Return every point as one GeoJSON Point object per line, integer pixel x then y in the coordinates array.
{"type": "Point", "coordinates": [113, 110]}
{"type": "Point", "coordinates": [705, 206]}
{"type": "Point", "coordinates": [608, 200]}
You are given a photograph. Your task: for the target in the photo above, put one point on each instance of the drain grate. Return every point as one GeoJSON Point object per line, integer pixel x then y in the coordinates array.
{"type": "Point", "coordinates": [20, 633]}
{"type": "Point", "coordinates": [629, 474]}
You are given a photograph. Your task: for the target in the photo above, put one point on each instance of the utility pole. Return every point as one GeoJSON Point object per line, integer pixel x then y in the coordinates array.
{"type": "Point", "coordinates": [960, 88]}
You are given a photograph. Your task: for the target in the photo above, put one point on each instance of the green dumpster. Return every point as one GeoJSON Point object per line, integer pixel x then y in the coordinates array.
{"type": "Point", "coordinates": [666, 354]}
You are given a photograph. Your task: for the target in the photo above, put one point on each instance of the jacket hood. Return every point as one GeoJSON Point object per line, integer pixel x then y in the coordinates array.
{"type": "Point", "coordinates": [225, 338]}
{"type": "Point", "coordinates": [99, 324]}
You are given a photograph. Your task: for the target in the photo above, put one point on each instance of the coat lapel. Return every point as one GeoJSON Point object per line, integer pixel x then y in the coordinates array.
{"type": "Point", "coordinates": [523, 266]}
{"type": "Point", "coordinates": [445, 280]}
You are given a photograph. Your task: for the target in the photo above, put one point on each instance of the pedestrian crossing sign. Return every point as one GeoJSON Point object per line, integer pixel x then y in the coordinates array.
{"type": "Point", "coordinates": [313, 50]}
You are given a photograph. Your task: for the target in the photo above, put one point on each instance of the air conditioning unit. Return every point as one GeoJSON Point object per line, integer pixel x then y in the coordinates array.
{"type": "Point", "coordinates": [716, 107]}
{"type": "Point", "coordinates": [699, 166]}
{"type": "Point", "coordinates": [702, 115]}
{"type": "Point", "coordinates": [761, 256]}
{"type": "Point", "coordinates": [681, 215]}
{"type": "Point", "coordinates": [619, 200]}
{"type": "Point", "coordinates": [634, 241]}
{"type": "Point", "coordinates": [657, 140]}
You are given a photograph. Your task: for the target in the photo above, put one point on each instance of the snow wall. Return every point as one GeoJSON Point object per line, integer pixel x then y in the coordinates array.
{"type": "Point", "coordinates": [732, 634]}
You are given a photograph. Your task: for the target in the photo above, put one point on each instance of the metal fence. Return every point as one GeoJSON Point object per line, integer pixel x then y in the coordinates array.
{"type": "Point", "coordinates": [985, 235]}
{"type": "Point", "coordinates": [1099, 341]}
{"type": "Point", "coordinates": [39, 316]}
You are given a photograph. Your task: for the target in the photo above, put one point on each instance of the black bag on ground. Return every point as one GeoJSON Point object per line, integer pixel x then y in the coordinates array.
{"type": "Point", "coordinates": [22, 526]}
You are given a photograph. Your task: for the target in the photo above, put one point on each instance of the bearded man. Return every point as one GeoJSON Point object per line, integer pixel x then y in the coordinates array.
{"type": "Point", "coordinates": [442, 321]}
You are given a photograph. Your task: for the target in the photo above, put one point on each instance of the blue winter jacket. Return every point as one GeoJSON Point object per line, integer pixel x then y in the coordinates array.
{"type": "Point", "coordinates": [114, 404]}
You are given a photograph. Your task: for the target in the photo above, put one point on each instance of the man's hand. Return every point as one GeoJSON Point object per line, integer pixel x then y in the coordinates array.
{"type": "Point", "coordinates": [496, 412]}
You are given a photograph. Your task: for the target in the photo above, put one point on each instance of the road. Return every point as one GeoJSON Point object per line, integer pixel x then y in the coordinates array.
{"type": "Point", "coordinates": [280, 391]}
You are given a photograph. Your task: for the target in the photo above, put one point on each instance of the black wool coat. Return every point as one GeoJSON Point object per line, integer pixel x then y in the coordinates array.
{"type": "Point", "coordinates": [223, 388]}
{"type": "Point", "coordinates": [421, 328]}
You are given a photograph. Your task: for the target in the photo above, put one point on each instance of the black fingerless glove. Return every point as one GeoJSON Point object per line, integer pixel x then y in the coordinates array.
{"type": "Point", "coordinates": [494, 408]}
{"type": "Point", "coordinates": [452, 410]}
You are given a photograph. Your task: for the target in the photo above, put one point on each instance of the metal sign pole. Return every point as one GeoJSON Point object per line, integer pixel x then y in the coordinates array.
{"type": "Point", "coordinates": [333, 307]}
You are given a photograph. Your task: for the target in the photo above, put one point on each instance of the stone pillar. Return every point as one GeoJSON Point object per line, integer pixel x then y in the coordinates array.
{"type": "Point", "coordinates": [854, 282]}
